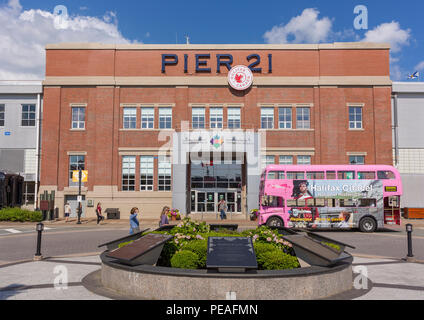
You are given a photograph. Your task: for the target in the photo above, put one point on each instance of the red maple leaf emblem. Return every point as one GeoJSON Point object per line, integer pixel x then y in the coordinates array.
{"type": "Point", "coordinates": [238, 78]}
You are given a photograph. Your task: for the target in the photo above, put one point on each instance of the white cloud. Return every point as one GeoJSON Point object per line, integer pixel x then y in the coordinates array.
{"type": "Point", "coordinates": [24, 34]}
{"type": "Point", "coordinates": [306, 28]}
{"type": "Point", "coordinates": [420, 66]}
{"type": "Point", "coordinates": [391, 33]}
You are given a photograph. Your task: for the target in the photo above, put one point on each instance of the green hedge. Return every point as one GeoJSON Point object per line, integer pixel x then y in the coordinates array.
{"type": "Point", "coordinates": [277, 260]}
{"type": "Point", "coordinates": [199, 247]}
{"type": "Point", "coordinates": [185, 260]}
{"type": "Point", "coordinates": [20, 215]}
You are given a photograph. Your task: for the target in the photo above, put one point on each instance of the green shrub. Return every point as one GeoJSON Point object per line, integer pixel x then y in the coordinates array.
{"type": "Point", "coordinates": [332, 245]}
{"type": "Point", "coordinates": [20, 215]}
{"type": "Point", "coordinates": [199, 247]}
{"type": "Point", "coordinates": [185, 260]}
{"type": "Point", "coordinates": [169, 249]}
{"type": "Point", "coordinates": [277, 260]}
{"type": "Point", "coordinates": [123, 244]}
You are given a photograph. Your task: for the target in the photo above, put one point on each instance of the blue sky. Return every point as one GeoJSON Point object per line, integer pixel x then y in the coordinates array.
{"type": "Point", "coordinates": [161, 22]}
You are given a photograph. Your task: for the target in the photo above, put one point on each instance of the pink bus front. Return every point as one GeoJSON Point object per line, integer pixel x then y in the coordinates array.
{"type": "Point", "coordinates": [330, 196]}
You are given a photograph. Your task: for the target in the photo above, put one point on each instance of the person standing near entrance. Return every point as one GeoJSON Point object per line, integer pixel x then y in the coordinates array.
{"type": "Point", "coordinates": [134, 223]}
{"type": "Point", "coordinates": [222, 208]}
{"type": "Point", "coordinates": [68, 211]}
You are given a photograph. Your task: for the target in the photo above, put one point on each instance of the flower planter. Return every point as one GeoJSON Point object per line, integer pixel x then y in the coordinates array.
{"type": "Point", "coordinates": [174, 218]}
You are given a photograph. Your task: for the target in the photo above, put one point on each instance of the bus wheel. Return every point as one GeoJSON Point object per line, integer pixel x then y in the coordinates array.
{"type": "Point", "coordinates": [274, 222]}
{"type": "Point", "coordinates": [367, 225]}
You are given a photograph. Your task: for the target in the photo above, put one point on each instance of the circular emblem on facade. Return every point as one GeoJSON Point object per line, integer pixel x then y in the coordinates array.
{"type": "Point", "coordinates": [217, 141]}
{"type": "Point", "coordinates": [240, 78]}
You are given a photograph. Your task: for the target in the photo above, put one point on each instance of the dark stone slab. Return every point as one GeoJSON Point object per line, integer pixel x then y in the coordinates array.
{"type": "Point", "coordinates": [322, 238]}
{"type": "Point", "coordinates": [231, 254]}
{"type": "Point", "coordinates": [112, 245]}
{"type": "Point", "coordinates": [145, 250]}
{"type": "Point", "coordinates": [215, 227]}
{"type": "Point", "coordinates": [166, 228]}
{"type": "Point", "coordinates": [314, 252]}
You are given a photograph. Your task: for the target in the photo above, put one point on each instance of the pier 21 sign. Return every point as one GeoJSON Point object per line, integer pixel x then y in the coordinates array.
{"type": "Point", "coordinates": [222, 60]}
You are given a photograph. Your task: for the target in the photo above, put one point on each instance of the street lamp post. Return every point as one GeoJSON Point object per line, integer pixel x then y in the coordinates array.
{"type": "Point", "coordinates": [79, 196]}
{"type": "Point", "coordinates": [39, 228]}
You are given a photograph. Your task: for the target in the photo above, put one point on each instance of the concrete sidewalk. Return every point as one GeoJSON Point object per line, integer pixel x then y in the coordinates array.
{"type": "Point", "coordinates": [43, 280]}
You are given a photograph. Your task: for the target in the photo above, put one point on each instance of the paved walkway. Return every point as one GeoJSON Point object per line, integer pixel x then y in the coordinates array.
{"type": "Point", "coordinates": [43, 280]}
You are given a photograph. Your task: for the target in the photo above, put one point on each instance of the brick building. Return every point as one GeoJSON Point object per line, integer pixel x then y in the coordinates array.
{"type": "Point", "coordinates": [160, 125]}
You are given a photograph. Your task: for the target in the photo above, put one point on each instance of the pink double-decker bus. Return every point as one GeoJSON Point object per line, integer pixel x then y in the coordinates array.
{"type": "Point", "coordinates": [330, 196]}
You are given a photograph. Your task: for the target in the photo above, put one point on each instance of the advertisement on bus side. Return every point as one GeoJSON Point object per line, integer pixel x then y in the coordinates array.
{"type": "Point", "coordinates": [334, 204]}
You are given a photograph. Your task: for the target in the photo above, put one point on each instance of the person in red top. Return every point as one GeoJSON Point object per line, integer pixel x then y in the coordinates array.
{"type": "Point", "coordinates": [99, 213]}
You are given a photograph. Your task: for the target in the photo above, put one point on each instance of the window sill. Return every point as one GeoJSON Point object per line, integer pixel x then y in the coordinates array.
{"type": "Point", "coordinates": [356, 129]}
{"type": "Point", "coordinates": [77, 130]}
{"type": "Point", "coordinates": [145, 130]}
{"type": "Point", "coordinates": [287, 130]}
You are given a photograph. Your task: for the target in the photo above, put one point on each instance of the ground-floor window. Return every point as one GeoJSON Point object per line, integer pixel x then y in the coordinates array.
{"type": "Point", "coordinates": [29, 193]}
{"type": "Point", "coordinates": [164, 173]}
{"type": "Point", "coordinates": [128, 173]}
{"type": "Point", "coordinates": [146, 173]}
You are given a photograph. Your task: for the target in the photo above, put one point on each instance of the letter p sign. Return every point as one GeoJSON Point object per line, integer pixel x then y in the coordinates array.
{"type": "Point", "coordinates": [361, 21]}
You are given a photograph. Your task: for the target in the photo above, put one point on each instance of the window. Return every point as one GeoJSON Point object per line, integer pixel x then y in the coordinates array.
{"type": "Point", "coordinates": [267, 118]}
{"type": "Point", "coordinates": [303, 119]}
{"type": "Point", "coordinates": [276, 175]}
{"type": "Point", "coordinates": [164, 172]}
{"type": "Point", "coordinates": [286, 160]}
{"type": "Point", "coordinates": [28, 115]}
{"type": "Point", "coordinates": [267, 160]}
{"type": "Point", "coordinates": [165, 118]}
{"type": "Point", "coordinates": [272, 201]}
{"type": "Point", "coordinates": [295, 175]}
{"type": "Point", "coordinates": [76, 162]}
{"type": "Point", "coordinates": [198, 118]}
{"type": "Point", "coordinates": [146, 173]}
{"type": "Point", "coordinates": [128, 173]}
{"type": "Point", "coordinates": [130, 118]}
{"type": "Point", "coordinates": [234, 117]}
{"type": "Point", "coordinates": [385, 175]}
{"type": "Point", "coordinates": [1, 115]}
{"type": "Point", "coordinates": [147, 118]}
{"type": "Point", "coordinates": [315, 175]}
{"type": "Point", "coordinates": [355, 117]}
{"type": "Point", "coordinates": [367, 203]}
{"type": "Point", "coordinates": [346, 175]}
{"type": "Point", "coordinates": [304, 160]}
{"type": "Point", "coordinates": [366, 175]}
{"type": "Point", "coordinates": [331, 175]}
{"type": "Point", "coordinates": [285, 118]}
{"type": "Point", "coordinates": [216, 118]}
{"type": "Point", "coordinates": [357, 160]}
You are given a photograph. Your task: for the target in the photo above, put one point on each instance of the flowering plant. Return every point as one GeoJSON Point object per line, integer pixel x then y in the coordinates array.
{"type": "Point", "coordinates": [174, 213]}
{"type": "Point", "coordinates": [254, 214]}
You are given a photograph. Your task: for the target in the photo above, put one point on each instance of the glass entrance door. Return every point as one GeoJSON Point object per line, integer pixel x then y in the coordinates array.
{"type": "Point", "coordinates": [207, 201]}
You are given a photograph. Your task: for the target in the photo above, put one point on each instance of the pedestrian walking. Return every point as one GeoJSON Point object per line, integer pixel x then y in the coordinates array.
{"type": "Point", "coordinates": [68, 211]}
{"type": "Point", "coordinates": [164, 217]}
{"type": "Point", "coordinates": [99, 213]}
{"type": "Point", "coordinates": [222, 208]}
{"type": "Point", "coordinates": [134, 223]}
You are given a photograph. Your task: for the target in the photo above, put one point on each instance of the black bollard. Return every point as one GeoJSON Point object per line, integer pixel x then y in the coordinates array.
{"type": "Point", "coordinates": [39, 228]}
{"type": "Point", "coordinates": [409, 231]}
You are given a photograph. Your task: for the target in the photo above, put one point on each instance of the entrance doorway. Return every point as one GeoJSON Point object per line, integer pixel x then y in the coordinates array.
{"type": "Point", "coordinates": [73, 202]}
{"type": "Point", "coordinates": [207, 201]}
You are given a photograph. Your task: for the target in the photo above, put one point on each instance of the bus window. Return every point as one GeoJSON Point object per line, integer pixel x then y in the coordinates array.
{"type": "Point", "coordinates": [301, 202]}
{"type": "Point", "coordinates": [315, 175]}
{"type": "Point", "coordinates": [319, 202]}
{"type": "Point", "coordinates": [367, 203]}
{"type": "Point", "coordinates": [310, 202]}
{"type": "Point", "coordinates": [276, 175]}
{"type": "Point", "coordinates": [370, 175]}
{"type": "Point", "coordinates": [385, 175]}
{"type": "Point", "coordinates": [346, 175]}
{"type": "Point", "coordinates": [272, 202]}
{"type": "Point", "coordinates": [295, 175]}
{"type": "Point", "coordinates": [347, 203]}
{"type": "Point", "coordinates": [331, 175]}
{"type": "Point", "coordinates": [291, 203]}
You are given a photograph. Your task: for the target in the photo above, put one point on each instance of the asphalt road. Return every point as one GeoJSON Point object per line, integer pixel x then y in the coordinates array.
{"type": "Point", "coordinates": [20, 244]}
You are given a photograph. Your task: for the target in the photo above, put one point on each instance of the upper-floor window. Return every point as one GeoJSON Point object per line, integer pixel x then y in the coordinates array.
{"type": "Point", "coordinates": [216, 118]}
{"type": "Point", "coordinates": [357, 159]}
{"type": "Point", "coordinates": [28, 115]}
{"type": "Point", "coordinates": [2, 115]}
{"type": "Point", "coordinates": [198, 118]}
{"type": "Point", "coordinates": [304, 160]}
{"type": "Point", "coordinates": [286, 160]}
{"type": "Point", "coordinates": [285, 118]}
{"type": "Point", "coordinates": [303, 118]}
{"type": "Point", "coordinates": [234, 118]}
{"type": "Point", "coordinates": [78, 117]}
{"type": "Point", "coordinates": [130, 118]}
{"type": "Point", "coordinates": [147, 117]}
{"type": "Point", "coordinates": [267, 118]}
{"type": "Point", "coordinates": [165, 118]}
{"type": "Point", "coordinates": [355, 118]}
